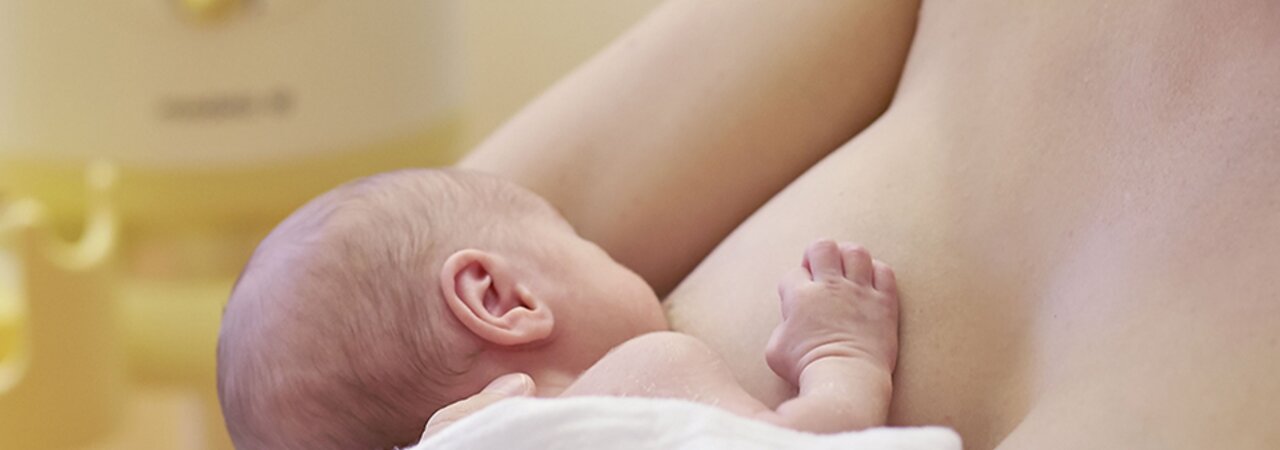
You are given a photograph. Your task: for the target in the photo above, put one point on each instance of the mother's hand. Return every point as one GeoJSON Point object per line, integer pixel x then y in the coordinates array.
{"type": "Point", "coordinates": [506, 386]}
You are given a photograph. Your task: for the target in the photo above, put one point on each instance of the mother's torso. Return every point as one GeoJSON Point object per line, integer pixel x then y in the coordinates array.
{"type": "Point", "coordinates": [1082, 202]}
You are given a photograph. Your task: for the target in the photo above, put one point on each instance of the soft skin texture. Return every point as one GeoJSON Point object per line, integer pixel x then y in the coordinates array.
{"type": "Point", "coordinates": [661, 144]}
{"type": "Point", "coordinates": [1081, 196]}
{"type": "Point", "coordinates": [838, 346]}
{"type": "Point", "coordinates": [308, 356]}
{"type": "Point", "coordinates": [389, 297]}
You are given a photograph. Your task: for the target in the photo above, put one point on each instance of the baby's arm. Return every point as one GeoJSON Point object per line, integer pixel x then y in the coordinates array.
{"type": "Point", "coordinates": [837, 342]}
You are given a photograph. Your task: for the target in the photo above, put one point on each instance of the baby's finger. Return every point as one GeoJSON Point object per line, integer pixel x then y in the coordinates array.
{"type": "Point", "coordinates": [885, 281]}
{"type": "Point", "coordinates": [824, 260]}
{"type": "Point", "coordinates": [857, 263]}
{"type": "Point", "coordinates": [792, 280]}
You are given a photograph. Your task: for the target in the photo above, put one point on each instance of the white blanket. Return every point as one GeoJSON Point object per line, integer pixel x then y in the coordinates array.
{"type": "Point", "coordinates": [646, 423]}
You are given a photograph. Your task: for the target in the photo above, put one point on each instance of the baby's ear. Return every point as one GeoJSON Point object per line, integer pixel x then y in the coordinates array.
{"type": "Point", "coordinates": [488, 296]}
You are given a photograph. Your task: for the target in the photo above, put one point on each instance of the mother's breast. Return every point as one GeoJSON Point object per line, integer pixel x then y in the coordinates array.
{"type": "Point", "coordinates": [956, 238]}
{"type": "Point", "coordinates": [1083, 218]}
{"type": "Point", "coordinates": [1059, 271]}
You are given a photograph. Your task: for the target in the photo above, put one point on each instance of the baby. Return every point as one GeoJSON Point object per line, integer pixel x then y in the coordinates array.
{"type": "Point", "coordinates": [393, 296]}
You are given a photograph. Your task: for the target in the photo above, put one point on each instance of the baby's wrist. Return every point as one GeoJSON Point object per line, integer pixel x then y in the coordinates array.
{"type": "Point", "coordinates": [844, 370]}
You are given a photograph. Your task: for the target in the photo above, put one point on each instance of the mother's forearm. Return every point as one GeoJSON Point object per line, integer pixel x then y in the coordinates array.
{"type": "Point", "coordinates": [663, 143]}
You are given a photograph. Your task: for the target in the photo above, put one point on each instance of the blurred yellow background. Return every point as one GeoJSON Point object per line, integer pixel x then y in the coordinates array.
{"type": "Point", "coordinates": [146, 146]}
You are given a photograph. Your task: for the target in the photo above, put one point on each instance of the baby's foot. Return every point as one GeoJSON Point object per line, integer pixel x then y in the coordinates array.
{"type": "Point", "coordinates": [839, 304]}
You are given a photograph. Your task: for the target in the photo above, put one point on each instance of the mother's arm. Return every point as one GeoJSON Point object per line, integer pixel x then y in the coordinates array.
{"type": "Point", "coordinates": [663, 143]}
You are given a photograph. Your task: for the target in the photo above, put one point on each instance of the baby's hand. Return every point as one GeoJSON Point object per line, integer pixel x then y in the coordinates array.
{"type": "Point", "coordinates": [840, 303]}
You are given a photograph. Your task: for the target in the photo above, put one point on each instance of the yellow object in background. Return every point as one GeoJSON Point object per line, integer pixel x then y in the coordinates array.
{"type": "Point", "coordinates": [221, 117]}
{"type": "Point", "coordinates": [180, 240]}
{"type": "Point", "coordinates": [63, 366]}
{"type": "Point", "coordinates": [210, 10]}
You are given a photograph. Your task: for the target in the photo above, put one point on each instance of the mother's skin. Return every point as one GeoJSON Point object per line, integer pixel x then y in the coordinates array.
{"type": "Point", "coordinates": [1081, 198]}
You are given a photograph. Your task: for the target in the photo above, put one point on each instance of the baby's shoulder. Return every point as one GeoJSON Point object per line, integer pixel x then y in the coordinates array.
{"type": "Point", "coordinates": [666, 354]}
{"type": "Point", "coordinates": [664, 344]}
{"type": "Point", "coordinates": [651, 365]}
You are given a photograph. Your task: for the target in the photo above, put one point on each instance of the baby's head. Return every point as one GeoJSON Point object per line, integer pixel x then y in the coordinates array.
{"type": "Point", "coordinates": [389, 297]}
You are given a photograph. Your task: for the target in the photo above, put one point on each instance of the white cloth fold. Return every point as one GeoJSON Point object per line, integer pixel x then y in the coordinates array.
{"type": "Point", "coordinates": [625, 423]}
